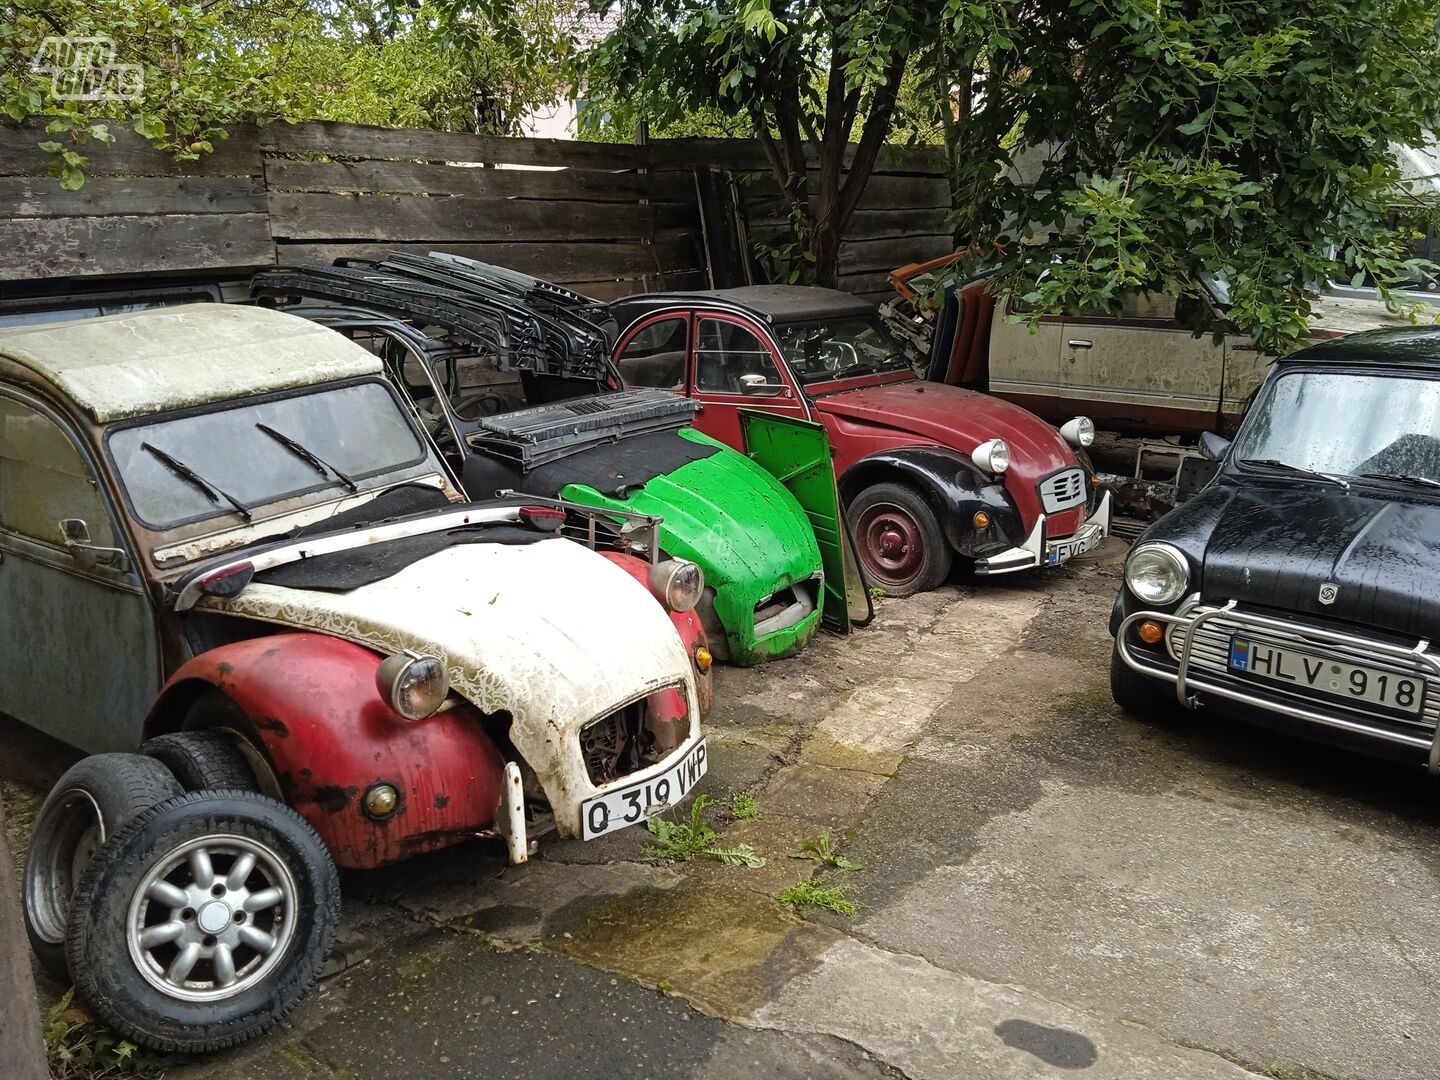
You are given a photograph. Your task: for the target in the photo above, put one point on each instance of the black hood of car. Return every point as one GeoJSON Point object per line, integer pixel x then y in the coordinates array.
{"type": "Point", "coordinates": [1275, 544]}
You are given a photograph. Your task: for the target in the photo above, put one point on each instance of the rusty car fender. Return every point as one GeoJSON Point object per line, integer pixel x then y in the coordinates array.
{"type": "Point", "coordinates": [312, 704]}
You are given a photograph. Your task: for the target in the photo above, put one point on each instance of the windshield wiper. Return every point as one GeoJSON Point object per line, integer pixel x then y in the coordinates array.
{"type": "Point", "coordinates": [314, 460]}
{"type": "Point", "coordinates": [1403, 478]}
{"type": "Point", "coordinates": [1275, 463]}
{"type": "Point", "coordinates": [185, 472]}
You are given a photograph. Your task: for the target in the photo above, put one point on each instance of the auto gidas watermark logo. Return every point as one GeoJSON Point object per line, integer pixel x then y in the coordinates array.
{"type": "Point", "coordinates": [84, 69]}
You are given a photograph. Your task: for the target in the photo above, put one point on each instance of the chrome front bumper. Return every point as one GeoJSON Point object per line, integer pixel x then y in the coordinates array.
{"type": "Point", "coordinates": [1036, 550]}
{"type": "Point", "coordinates": [1189, 639]}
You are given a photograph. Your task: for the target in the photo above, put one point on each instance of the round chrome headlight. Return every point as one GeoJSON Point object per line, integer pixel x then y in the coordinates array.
{"type": "Point", "coordinates": [1079, 432]}
{"type": "Point", "coordinates": [677, 583]}
{"type": "Point", "coordinates": [1157, 573]}
{"type": "Point", "coordinates": [992, 456]}
{"type": "Point", "coordinates": [412, 684]}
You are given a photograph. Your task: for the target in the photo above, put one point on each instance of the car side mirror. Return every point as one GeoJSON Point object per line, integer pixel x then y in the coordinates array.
{"type": "Point", "coordinates": [76, 534]}
{"type": "Point", "coordinates": [758, 384]}
{"type": "Point", "coordinates": [1214, 447]}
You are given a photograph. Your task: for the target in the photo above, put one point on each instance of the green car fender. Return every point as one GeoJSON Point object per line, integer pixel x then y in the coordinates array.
{"type": "Point", "coordinates": [743, 529]}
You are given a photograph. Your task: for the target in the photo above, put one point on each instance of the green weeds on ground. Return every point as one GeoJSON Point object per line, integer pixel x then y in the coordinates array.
{"type": "Point", "coordinates": [81, 1049]}
{"type": "Point", "coordinates": [742, 806]}
{"type": "Point", "coordinates": [681, 841]}
{"type": "Point", "coordinates": [820, 850]}
{"type": "Point", "coordinates": [810, 893]}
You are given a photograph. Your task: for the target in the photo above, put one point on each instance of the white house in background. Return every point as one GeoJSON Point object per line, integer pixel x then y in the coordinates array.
{"type": "Point", "coordinates": [558, 121]}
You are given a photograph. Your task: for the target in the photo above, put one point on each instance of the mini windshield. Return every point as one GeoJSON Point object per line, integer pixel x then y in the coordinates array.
{"type": "Point", "coordinates": [228, 461]}
{"type": "Point", "coordinates": [840, 349]}
{"type": "Point", "coordinates": [1351, 425]}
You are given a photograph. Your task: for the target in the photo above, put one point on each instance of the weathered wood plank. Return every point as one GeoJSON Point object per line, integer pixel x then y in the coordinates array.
{"type": "Point", "coordinates": [873, 285]}
{"type": "Point", "coordinates": [861, 256]}
{"type": "Point", "coordinates": [356, 142]}
{"type": "Point", "coordinates": [406, 177]}
{"type": "Point", "coordinates": [890, 192]}
{"type": "Point", "coordinates": [613, 290]}
{"type": "Point", "coordinates": [875, 224]}
{"type": "Point", "coordinates": [457, 217]}
{"type": "Point", "coordinates": [128, 155]}
{"type": "Point", "coordinates": [673, 251]}
{"type": "Point", "coordinates": [26, 196]}
{"type": "Point", "coordinates": [75, 246]}
{"type": "Point", "coordinates": [746, 155]}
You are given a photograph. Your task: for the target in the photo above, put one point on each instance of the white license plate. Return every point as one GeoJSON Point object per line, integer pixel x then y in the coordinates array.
{"type": "Point", "coordinates": [643, 799]}
{"type": "Point", "coordinates": [1307, 672]}
{"type": "Point", "coordinates": [1062, 550]}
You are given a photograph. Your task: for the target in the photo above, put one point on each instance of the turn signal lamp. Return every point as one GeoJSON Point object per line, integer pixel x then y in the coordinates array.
{"type": "Point", "coordinates": [1151, 632]}
{"type": "Point", "coordinates": [703, 659]}
{"type": "Point", "coordinates": [382, 800]}
{"type": "Point", "coordinates": [981, 519]}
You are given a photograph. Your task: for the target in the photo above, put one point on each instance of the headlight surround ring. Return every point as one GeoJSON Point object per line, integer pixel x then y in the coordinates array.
{"type": "Point", "coordinates": [413, 684]}
{"type": "Point", "coordinates": [677, 583]}
{"type": "Point", "coordinates": [992, 456]}
{"type": "Point", "coordinates": [1157, 573]}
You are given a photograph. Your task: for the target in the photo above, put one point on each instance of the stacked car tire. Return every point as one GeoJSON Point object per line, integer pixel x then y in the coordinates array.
{"type": "Point", "coordinates": [190, 911]}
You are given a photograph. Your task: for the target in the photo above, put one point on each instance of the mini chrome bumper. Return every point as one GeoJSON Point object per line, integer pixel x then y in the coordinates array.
{"type": "Point", "coordinates": [1184, 626]}
{"type": "Point", "coordinates": [1037, 551]}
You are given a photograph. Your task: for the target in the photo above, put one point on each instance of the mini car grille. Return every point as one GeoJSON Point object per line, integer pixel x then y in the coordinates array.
{"type": "Point", "coordinates": [1062, 491]}
{"type": "Point", "coordinates": [1210, 651]}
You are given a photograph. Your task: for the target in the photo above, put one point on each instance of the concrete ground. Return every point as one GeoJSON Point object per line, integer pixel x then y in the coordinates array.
{"type": "Point", "coordinates": [1047, 888]}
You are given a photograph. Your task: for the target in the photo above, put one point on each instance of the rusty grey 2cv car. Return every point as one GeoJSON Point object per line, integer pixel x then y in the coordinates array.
{"type": "Point", "coordinates": [224, 543]}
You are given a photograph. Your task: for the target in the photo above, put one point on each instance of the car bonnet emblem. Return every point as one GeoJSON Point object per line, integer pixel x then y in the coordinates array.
{"type": "Point", "coordinates": [1328, 592]}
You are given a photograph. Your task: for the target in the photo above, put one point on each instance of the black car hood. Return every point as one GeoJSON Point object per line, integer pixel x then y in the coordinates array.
{"type": "Point", "coordinates": [1275, 545]}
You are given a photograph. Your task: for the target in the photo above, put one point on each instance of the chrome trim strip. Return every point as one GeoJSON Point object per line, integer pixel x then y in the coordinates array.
{"type": "Point", "coordinates": [1424, 664]}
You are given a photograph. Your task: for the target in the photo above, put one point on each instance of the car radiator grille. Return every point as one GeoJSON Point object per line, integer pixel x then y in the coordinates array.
{"type": "Point", "coordinates": [1062, 491]}
{"type": "Point", "coordinates": [1210, 652]}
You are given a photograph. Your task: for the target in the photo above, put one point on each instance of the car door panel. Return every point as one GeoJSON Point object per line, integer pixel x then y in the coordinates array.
{"type": "Point", "coordinates": [1024, 365]}
{"type": "Point", "coordinates": [82, 661]}
{"type": "Point", "coordinates": [726, 350]}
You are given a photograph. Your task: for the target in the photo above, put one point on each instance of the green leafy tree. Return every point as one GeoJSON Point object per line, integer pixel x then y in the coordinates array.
{"type": "Point", "coordinates": [1118, 145]}
{"type": "Point", "coordinates": [805, 77]}
{"type": "Point", "coordinates": [200, 69]}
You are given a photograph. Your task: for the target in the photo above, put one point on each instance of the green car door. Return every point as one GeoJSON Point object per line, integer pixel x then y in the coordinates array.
{"type": "Point", "coordinates": [797, 453]}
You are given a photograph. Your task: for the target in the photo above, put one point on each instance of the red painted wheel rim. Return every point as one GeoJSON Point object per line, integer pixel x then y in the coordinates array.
{"type": "Point", "coordinates": [890, 543]}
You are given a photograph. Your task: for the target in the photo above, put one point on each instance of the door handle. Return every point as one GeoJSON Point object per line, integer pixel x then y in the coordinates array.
{"type": "Point", "coordinates": [699, 408]}
{"type": "Point", "coordinates": [1080, 343]}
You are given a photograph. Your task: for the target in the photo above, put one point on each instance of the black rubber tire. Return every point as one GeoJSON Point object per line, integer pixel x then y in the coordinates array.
{"type": "Point", "coordinates": [937, 556]}
{"type": "Point", "coordinates": [203, 760]}
{"type": "Point", "coordinates": [120, 787]}
{"type": "Point", "coordinates": [107, 977]}
{"type": "Point", "coordinates": [1137, 695]}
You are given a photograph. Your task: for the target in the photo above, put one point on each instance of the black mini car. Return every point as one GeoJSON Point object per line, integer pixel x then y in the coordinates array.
{"type": "Point", "coordinates": [1301, 588]}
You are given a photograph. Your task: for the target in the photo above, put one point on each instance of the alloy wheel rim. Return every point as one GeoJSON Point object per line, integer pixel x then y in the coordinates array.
{"type": "Point", "coordinates": [891, 543]}
{"type": "Point", "coordinates": [211, 918]}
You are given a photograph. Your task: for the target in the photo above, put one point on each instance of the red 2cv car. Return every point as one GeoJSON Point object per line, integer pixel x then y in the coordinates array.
{"type": "Point", "coordinates": [928, 472]}
{"type": "Point", "coordinates": [225, 544]}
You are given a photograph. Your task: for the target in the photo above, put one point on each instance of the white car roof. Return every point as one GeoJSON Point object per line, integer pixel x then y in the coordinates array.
{"type": "Point", "coordinates": [120, 366]}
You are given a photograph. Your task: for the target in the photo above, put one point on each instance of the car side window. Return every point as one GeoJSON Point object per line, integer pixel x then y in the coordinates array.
{"type": "Point", "coordinates": [44, 478]}
{"type": "Point", "coordinates": [655, 356]}
{"type": "Point", "coordinates": [729, 359]}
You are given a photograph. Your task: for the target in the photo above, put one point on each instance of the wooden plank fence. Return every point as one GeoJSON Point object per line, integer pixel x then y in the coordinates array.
{"type": "Point", "coordinates": [605, 218]}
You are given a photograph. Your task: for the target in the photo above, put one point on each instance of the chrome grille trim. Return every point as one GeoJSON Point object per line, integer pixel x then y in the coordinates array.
{"type": "Point", "coordinates": [1196, 632]}
{"type": "Point", "coordinates": [1062, 490]}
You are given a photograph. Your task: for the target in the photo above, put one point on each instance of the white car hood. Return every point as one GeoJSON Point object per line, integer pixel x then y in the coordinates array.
{"type": "Point", "coordinates": [551, 633]}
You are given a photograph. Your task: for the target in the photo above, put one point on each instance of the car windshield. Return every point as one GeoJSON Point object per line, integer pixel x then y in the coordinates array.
{"type": "Point", "coordinates": [1348, 425]}
{"type": "Point", "coordinates": [226, 461]}
{"type": "Point", "coordinates": [840, 349]}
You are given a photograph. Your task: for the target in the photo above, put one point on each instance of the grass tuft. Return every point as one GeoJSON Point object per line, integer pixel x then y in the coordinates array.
{"type": "Point", "coordinates": [681, 841]}
{"type": "Point", "coordinates": [742, 806]}
{"type": "Point", "coordinates": [820, 850]}
{"type": "Point", "coordinates": [808, 894]}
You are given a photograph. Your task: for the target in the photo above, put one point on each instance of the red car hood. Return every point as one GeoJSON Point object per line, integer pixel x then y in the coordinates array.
{"type": "Point", "coordinates": [960, 419]}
